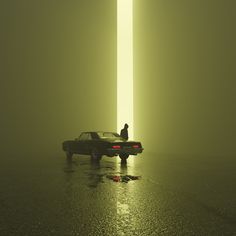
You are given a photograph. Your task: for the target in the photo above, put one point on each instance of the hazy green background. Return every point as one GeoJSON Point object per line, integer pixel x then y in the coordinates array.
{"type": "Point", "coordinates": [185, 76]}
{"type": "Point", "coordinates": [58, 74]}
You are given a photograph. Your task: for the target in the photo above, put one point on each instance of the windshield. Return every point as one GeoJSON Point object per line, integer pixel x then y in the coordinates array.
{"type": "Point", "coordinates": [108, 135]}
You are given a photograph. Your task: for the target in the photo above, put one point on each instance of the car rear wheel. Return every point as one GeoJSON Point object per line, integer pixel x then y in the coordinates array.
{"type": "Point", "coordinates": [95, 156]}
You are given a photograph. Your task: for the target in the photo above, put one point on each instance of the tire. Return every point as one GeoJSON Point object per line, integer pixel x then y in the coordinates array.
{"type": "Point", "coordinates": [95, 156]}
{"type": "Point", "coordinates": [124, 157]}
{"type": "Point", "coordinates": [69, 154]}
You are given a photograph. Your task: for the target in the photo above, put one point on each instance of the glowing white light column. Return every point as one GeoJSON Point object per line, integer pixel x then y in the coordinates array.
{"type": "Point", "coordinates": [125, 65]}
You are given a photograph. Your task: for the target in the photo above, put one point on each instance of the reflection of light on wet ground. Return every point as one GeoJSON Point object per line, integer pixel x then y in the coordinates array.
{"type": "Point", "coordinates": [122, 208]}
{"type": "Point", "coordinates": [125, 222]}
{"type": "Point", "coordinates": [174, 197]}
{"type": "Point", "coordinates": [96, 175]}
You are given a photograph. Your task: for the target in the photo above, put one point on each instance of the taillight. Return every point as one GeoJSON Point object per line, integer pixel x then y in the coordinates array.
{"type": "Point", "coordinates": [116, 147]}
{"type": "Point", "coordinates": [135, 146]}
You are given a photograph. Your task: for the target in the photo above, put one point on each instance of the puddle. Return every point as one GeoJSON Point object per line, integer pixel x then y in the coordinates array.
{"type": "Point", "coordinates": [95, 179]}
{"type": "Point", "coordinates": [123, 178]}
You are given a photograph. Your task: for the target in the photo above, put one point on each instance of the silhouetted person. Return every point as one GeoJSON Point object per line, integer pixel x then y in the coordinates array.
{"type": "Point", "coordinates": [124, 132]}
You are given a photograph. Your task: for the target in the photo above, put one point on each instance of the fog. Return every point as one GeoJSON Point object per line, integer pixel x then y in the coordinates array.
{"type": "Point", "coordinates": [185, 74]}
{"type": "Point", "coordinates": [58, 75]}
{"type": "Point", "coordinates": [58, 78]}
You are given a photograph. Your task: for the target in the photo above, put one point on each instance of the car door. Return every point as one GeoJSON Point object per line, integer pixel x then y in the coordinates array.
{"type": "Point", "coordinates": [88, 144]}
{"type": "Point", "coordinates": [77, 146]}
{"type": "Point", "coordinates": [82, 143]}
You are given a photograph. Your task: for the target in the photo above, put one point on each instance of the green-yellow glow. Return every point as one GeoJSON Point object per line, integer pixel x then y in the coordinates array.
{"type": "Point", "coordinates": [125, 65]}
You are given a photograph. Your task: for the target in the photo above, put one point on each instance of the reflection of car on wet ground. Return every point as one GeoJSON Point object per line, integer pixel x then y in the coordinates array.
{"type": "Point", "coordinates": [101, 143]}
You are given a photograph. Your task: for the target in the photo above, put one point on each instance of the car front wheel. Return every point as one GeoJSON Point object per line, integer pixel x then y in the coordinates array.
{"type": "Point", "coordinates": [69, 154]}
{"type": "Point", "coordinates": [95, 156]}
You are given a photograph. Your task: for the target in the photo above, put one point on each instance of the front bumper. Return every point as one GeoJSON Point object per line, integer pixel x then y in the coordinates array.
{"type": "Point", "coordinates": [124, 150]}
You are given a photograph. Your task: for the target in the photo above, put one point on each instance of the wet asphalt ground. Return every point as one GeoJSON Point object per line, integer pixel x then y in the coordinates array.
{"type": "Point", "coordinates": [174, 196]}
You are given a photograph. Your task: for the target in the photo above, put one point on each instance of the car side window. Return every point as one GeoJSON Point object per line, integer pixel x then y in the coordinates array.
{"type": "Point", "coordinates": [94, 135]}
{"type": "Point", "coordinates": [89, 137]}
{"type": "Point", "coordinates": [83, 136]}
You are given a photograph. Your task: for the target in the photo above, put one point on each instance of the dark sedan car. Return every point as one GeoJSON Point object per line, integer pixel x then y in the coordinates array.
{"type": "Point", "coordinates": [101, 143]}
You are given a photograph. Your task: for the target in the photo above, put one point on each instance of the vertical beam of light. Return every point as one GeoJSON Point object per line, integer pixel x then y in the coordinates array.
{"type": "Point", "coordinates": [125, 65]}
